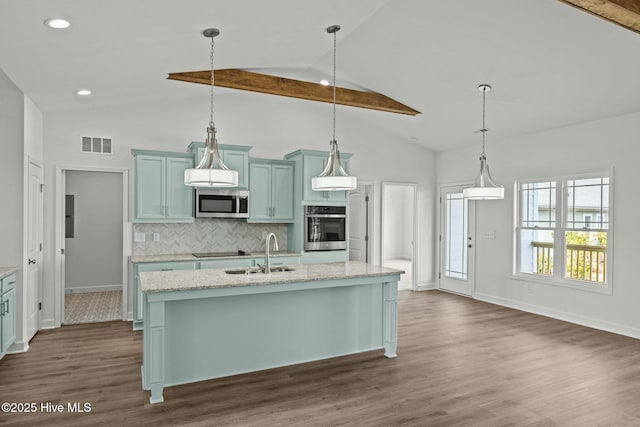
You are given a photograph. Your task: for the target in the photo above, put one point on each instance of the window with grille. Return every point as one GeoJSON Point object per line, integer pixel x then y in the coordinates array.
{"type": "Point", "coordinates": [563, 230]}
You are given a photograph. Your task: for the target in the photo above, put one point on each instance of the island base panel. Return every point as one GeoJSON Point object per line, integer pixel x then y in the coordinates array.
{"type": "Point", "coordinates": [197, 339]}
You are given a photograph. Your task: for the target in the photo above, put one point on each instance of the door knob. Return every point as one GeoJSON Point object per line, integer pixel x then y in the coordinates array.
{"type": "Point", "coordinates": [32, 261]}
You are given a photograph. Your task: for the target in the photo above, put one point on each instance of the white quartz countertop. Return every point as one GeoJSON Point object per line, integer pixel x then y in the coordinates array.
{"type": "Point", "coordinates": [191, 257]}
{"type": "Point", "coordinates": [164, 281]}
{"type": "Point", "coordinates": [5, 271]}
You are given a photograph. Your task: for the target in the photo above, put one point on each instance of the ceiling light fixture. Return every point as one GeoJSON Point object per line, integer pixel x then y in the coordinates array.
{"type": "Point", "coordinates": [57, 23]}
{"type": "Point", "coordinates": [211, 171]}
{"type": "Point", "coordinates": [484, 188]}
{"type": "Point", "coordinates": [334, 177]}
{"type": "Point", "coordinates": [324, 82]}
{"type": "Point", "coordinates": [83, 92]}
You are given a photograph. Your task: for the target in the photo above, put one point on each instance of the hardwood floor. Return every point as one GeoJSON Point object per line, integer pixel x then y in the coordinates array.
{"type": "Point", "coordinates": [460, 362]}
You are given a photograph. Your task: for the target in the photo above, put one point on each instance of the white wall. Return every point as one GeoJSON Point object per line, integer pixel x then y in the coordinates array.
{"type": "Point", "coordinates": [598, 145]}
{"type": "Point", "coordinates": [11, 171]}
{"type": "Point", "coordinates": [272, 125]}
{"type": "Point", "coordinates": [397, 216]}
{"type": "Point", "coordinates": [33, 131]}
{"type": "Point", "coordinates": [93, 256]}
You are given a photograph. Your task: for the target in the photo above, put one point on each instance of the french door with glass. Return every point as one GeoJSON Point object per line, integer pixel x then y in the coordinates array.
{"type": "Point", "coordinates": [457, 248]}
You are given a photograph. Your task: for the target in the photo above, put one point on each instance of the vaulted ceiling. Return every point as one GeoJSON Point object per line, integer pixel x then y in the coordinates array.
{"type": "Point", "coordinates": [550, 64]}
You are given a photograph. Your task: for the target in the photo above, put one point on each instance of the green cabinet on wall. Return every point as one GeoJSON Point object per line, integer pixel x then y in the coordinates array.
{"type": "Point", "coordinates": [313, 163]}
{"type": "Point", "coordinates": [271, 187]}
{"type": "Point", "coordinates": [160, 193]}
{"type": "Point", "coordinates": [235, 157]}
{"type": "Point", "coordinates": [7, 312]}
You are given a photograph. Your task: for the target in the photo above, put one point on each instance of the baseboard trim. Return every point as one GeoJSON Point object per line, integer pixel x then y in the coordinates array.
{"type": "Point", "coordinates": [89, 289]}
{"type": "Point", "coordinates": [590, 322]}
{"type": "Point", "coordinates": [426, 286]}
{"type": "Point", "coordinates": [18, 347]}
{"type": "Point", "coordinates": [48, 324]}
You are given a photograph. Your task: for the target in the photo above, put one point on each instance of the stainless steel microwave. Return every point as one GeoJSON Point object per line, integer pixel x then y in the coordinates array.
{"type": "Point", "coordinates": [222, 203]}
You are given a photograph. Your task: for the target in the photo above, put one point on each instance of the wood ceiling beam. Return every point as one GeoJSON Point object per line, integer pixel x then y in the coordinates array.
{"type": "Point", "coordinates": [264, 83]}
{"type": "Point", "coordinates": [625, 13]}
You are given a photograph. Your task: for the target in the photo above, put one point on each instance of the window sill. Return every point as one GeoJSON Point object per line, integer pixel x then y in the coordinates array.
{"type": "Point", "coordinates": [606, 289]}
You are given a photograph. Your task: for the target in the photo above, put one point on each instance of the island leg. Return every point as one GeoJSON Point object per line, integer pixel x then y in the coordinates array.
{"type": "Point", "coordinates": [390, 318]}
{"type": "Point", "coordinates": [154, 349]}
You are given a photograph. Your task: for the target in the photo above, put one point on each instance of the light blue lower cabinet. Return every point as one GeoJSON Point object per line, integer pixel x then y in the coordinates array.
{"type": "Point", "coordinates": [318, 257]}
{"type": "Point", "coordinates": [138, 315]}
{"type": "Point", "coordinates": [7, 313]}
{"type": "Point", "coordinates": [226, 263]}
{"type": "Point", "coordinates": [252, 261]}
{"type": "Point", "coordinates": [201, 334]}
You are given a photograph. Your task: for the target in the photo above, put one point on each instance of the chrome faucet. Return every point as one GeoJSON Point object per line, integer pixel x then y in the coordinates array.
{"type": "Point", "coordinates": [267, 259]}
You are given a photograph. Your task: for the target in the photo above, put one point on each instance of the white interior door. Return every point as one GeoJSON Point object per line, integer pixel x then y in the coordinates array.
{"type": "Point", "coordinates": [34, 249]}
{"type": "Point", "coordinates": [457, 247]}
{"type": "Point", "coordinates": [359, 223]}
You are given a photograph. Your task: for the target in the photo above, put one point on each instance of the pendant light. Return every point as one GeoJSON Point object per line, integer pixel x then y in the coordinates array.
{"type": "Point", "coordinates": [211, 171]}
{"type": "Point", "coordinates": [334, 177]}
{"type": "Point", "coordinates": [484, 188]}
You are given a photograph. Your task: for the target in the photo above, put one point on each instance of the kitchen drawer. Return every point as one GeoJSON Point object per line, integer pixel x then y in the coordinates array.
{"type": "Point", "coordinates": [8, 283]}
{"type": "Point", "coordinates": [166, 266]}
{"type": "Point", "coordinates": [225, 263]}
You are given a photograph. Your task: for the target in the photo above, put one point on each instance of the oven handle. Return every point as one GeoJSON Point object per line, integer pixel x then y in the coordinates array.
{"type": "Point", "coordinates": [325, 216]}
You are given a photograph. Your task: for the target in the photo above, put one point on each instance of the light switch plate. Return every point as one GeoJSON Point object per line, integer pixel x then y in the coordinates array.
{"type": "Point", "coordinates": [489, 235]}
{"type": "Point", "coordinates": [156, 237]}
{"type": "Point", "coordinates": [139, 237]}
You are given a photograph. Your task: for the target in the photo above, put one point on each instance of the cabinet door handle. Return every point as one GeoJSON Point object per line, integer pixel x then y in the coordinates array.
{"type": "Point", "coordinates": [6, 311]}
{"type": "Point", "coordinates": [32, 261]}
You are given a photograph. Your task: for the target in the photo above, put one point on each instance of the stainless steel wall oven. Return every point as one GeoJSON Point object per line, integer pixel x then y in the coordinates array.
{"type": "Point", "coordinates": [325, 228]}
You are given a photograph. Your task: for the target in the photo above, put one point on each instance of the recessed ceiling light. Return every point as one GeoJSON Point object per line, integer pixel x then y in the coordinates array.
{"type": "Point", "coordinates": [83, 92]}
{"type": "Point", "coordinates": [57, 23]}
{"type": "Point", "coordinates": [324, 82]}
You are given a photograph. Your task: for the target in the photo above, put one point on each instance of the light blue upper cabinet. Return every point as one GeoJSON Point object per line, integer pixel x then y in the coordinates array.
{"type": "Point", "coordinates": [313, 163]}
{"type": "Point", "coordinates": [236, 157]}
{"type": "Point", "coordinates": [271, 187]}
{"type": "Point", "coordinates": [160, 193]}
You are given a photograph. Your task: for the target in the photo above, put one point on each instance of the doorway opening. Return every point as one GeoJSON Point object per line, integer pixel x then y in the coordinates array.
{"type": "Point", "coordinates": [398, 230]}
{"type": "Point", "coordinates": [91, 241]}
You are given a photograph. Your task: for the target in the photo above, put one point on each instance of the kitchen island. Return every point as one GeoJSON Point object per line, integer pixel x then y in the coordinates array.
{"type": "Point", "coordinates": [204, 324]}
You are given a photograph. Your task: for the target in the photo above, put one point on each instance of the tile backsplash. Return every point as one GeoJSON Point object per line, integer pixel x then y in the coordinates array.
{"type": "Point", "coordinates": [206, 235]}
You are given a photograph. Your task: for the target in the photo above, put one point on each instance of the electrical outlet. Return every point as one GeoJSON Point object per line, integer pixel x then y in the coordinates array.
{"type": "Point", "coordinates": [156, 237]}
{"type": "Point", "coordinates": [139, 237]}
{"type": "Point", "coordinates": [264, 235]}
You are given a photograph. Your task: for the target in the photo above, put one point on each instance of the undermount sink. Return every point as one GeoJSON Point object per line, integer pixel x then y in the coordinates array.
{"type": "Point", "coordinates": [258, 270]}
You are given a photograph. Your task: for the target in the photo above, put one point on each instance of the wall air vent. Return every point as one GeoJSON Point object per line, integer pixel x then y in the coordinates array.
{"type": "Point", "coordinates": [92, 144]}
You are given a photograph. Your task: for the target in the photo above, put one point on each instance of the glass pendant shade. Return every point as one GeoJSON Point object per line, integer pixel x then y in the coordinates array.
{"type": "Point", "coordinates": [334, 177]}
{"type": "Point", "coordinates": [484, 188]}
{"type": "Point", "coordinates": [211, 170]}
